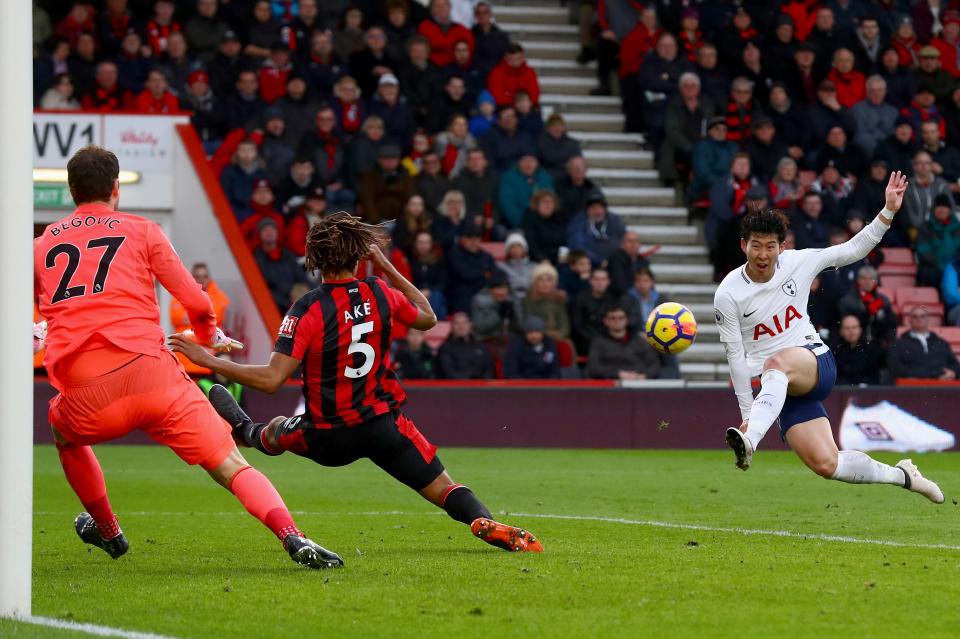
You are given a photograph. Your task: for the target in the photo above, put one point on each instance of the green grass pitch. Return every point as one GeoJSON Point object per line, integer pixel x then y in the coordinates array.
{"type": "Point", "coordinates": [199, 567]}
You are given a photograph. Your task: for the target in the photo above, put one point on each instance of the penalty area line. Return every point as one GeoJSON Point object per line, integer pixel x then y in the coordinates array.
{"type": "Point", "coordinates": [89, 628]}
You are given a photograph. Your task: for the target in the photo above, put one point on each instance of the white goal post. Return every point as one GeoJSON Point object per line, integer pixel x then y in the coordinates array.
{"type": "Point", "coordinates": [16, 302]}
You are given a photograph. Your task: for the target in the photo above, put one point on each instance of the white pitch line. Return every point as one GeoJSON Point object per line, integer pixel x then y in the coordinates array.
{"type": "Point", "coordinates": [612, 520]}
{"type": "Point", "coordinates": [90, 628]}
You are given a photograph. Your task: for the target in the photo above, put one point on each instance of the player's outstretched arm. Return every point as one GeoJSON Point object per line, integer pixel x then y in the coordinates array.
{"type": "Point", "coordinates": [860, 245]}
{"type": "Point", "coordinates": [268, 378]}
{"type": "Point", "coordinates": [728, 323]}
{"type": "Point", "coordinates": [426, 319]}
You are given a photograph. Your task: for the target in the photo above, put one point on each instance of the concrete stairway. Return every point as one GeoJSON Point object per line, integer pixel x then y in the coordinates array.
{"type": "Point", "coordinates": [625, 170]}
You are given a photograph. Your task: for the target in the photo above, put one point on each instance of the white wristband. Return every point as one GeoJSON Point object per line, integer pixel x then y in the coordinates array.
{"type": "Point", "coordinates": [889, 214]}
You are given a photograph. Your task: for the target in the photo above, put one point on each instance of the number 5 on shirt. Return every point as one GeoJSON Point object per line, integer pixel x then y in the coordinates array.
{"type": "Point", "coordinates": [357, 346]}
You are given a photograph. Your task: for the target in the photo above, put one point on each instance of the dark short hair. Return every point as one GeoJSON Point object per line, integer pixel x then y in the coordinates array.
{"type": "Point", "coordinates": [764, 222]}
{"type": "Point", "coordinates": [514, 47]}
{"type": "Point", "coordinates": [91, 174]}
{"type": "Point", "coordinates": [643, 270]}
{"type": "Point", "coordinates": [614, 308]}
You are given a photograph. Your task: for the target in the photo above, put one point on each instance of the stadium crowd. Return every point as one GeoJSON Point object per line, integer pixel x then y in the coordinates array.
{"type": "Point", "coordinates": [427, 119]}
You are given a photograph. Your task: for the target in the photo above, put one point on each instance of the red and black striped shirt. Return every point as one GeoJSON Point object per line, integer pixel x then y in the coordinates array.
{"type": "Point", "coordinates": [341, 333]}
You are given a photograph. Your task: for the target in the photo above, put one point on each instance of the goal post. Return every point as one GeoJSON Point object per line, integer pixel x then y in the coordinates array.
{"type": "Point", "coordinates": [16, 301]}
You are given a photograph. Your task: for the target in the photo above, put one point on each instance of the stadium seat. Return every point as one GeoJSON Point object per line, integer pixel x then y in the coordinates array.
{"type": "Point", "coordinates": [890, 282]}
{"type": "Point", "coordinates": [566, 353]}
{"type": "Point", "coordinates": [898, 256]}
{"type": "Point", "coordinates": [807, 178]}
{"type": "Point", "coordinates": [438, 334]}
{"type": "Point", "coordinates": [935, 310]}
{"type": "Point", "coordinates": [889, 293]}
{"type": "Point", "coordinates": [497, 249]}
{"type": "Point", "coordinates": [916, 295]}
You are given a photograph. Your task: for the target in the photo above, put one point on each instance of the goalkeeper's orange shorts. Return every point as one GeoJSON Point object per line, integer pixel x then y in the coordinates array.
{"type": "Point", "coordinates": [151, 394]}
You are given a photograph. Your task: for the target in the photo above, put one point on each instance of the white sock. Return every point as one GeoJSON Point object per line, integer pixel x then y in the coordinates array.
{"type": "Point", "coordinates": [855, 467]}
{"type": "Point", "coordinates": [768, 404]}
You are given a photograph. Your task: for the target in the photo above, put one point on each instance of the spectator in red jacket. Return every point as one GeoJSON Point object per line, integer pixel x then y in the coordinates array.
{"type": "Point", "coordinates": [156, 97]}
{"type": "Point", "coordinates": [640, 41]}
{"type": "Point", "coordinates": [275, 71]}
{"type": "Point", "coordinates": [161, 26]}
{"type": "Point", "coordinates": [79, 20]}
{"type": "Point", "coordinates": [948, 41]}
{"type": "Point", "coordinates": [443, 33]}
{"type": "Point", "coordinates": [851, 84]}
{"type": "Point", "coordinates": [106, 94]}
{"type": "Point", "coordinates": [300, 221]}
{"type": "Point", "coordinates": [804, 14]}
{"type": "Point", "coordinates": [262, 203]}
{"type": "Point", "coordinates": [513, 74]}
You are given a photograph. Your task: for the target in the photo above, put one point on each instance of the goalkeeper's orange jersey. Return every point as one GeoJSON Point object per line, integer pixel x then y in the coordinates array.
{"type": "Point", "coordinates": [94, 278]}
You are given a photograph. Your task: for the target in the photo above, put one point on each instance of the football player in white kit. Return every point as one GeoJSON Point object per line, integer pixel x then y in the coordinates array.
{"type": "Point", "coordinates": [761, 310]}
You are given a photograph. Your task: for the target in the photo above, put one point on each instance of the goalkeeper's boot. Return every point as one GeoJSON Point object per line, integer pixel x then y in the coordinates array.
{"type": "Point", "coordinates": [310, 554]}
{"type": "Point", "coordinates": [509, 538]}
{"type": "Point", "coordinates": [227, 407]}
{"type": "Point", "coordinates": [741, 447]}
{"type": "Point", "coordinates": [87, 531]}
{"type": "Point", "coordinates": [914, 481]}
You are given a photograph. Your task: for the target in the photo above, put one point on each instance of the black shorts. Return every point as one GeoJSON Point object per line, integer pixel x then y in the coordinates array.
{"type": "Point", "coordinates": [391, 441]}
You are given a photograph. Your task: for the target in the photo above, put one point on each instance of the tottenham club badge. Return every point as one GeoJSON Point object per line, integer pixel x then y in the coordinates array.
{"type": "Point", "coordinates": [790, 288]}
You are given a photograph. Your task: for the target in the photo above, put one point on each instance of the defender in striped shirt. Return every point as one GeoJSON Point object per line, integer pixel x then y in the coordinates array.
{"type": "Point", "coordinates": [340, 333]}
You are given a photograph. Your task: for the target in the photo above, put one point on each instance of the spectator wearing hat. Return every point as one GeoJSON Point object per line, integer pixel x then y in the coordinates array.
{"type": "Point", "coordinates": [596, 231]}
{"type": "Point", "coordinates": [827, 113]}
{"type": "Point", "coordinates": [452, 102]}
{"type": "Point", "coordinates": [490, 41]}
{"type": "Point", "coordinates": [850, 83]}
{"type": "Point", "coordinates": [866, 44]}
{"type": "Point", "coordinates": [778, 51]}
{"type": "Point", "coordinates": [420, 79]}
{"type": "Point", "coordinates": [898, 149]}
{"type": "Point", "coordinates": [532, 355]}
{"type": "Point", "coordinates": [921, 193]}
{"type": "Point", "coordinates": [299, 182]}
{"type": "Point", "coordinates": [948, 41]}
{"type": "Point", "coordinates": [385, 188]}
{"type": "Point", "coordinates": [547, 301]}
{"type": "Point", "coordinates": [921, 353]}
{"type": "Point", "coordinates": [238, 178]}
{"type": "Point", "coordinates": [414, 359]}
{"type": "Point", "coordinates": [244, 107]}
{"type": "Point", "coordinates": [938, 242]}
{"type": "Point", "coordinates": [443, 33]}
{"type": "Point", "coordinates": [728, 202]}
{"type": "Point", "coordinates": [262, 32]}
{"type": "Point", "coordinates": [274, 71]}
{"type": "Point", "coordinates": [277, 148]}
{"type": "Point", "coordinates": [512, 75]}
{"type": "Point", "coordinates": [872, 307]}
{"type": "Point", "coordinates": [905, 42]}
{"type": "Point", "coordinates": [392, 108]}
{"type": "Point", "coordinates": [617, 353]}
{"type": "Point", "coordinates": [279, 267]}
{"type": "Point", "coordinates": [929, 76]}
{"type": "Point", "coordinates": [299, 220]}
{"type": "Point", "coordinates": [485, 117]}
{"type": "Point", "coordinates": [494, 312]}
{"type": "Point", "coordinates": [204, 31]}
{"type": "Point", "coordinates": [764, 148]}
{"type": "Point", "coordinates": [950, 290]}
{"type": "Point", "coordinates": [686, 121]}
{"type": "Point", "coordinates": [858, 361]}
{"type": "Point", "coordinates": [323, 67]}
{"type": "Point", "coordinates": [505, 143]}
{"type": "Point", "coordinates": [714, 80]}
{"type": "Point", "coordinates": [518, 185]}
{"type": "Point", "coordinates": [107, 95]}
{"type": "Point", "coordinates": [810, 231]}
{"type": "Point", "coordinates": [262, 207]}
{"type": "Point", "coordinates": [657, 82]}
{"type": "Point", "coordinates": [946, 159]}
{"type": "Point", "coordinates": [462, 356]}
{"type": "Point", "coordinates": [297, 106]}
{"type": "Point", "coordinates": [207, 115]}
{"type": "Point", "coordinates": [156, 97]}
{"type": "Point", "coordinates": [517, 265]}
{"type": "Point", "coordinates": [555, 147]}
{"type": "Point", "coordinates": [325, 147]}
{"type": "Point", "coordinates": [371, 63]}
{"type": "Point", "coordinates": [468, 267]}
{"type": "Point", "coordinates": [225, 65]}
{"type": "Point", "coordinates": [804, 77]}
{"type": "Point", "coordinates": [874, 116]}
{"type": "Point", "coordinates": [711, 158]}
{"type": "Point", "coordinates": [735, 36]}
{"type": "Point", "coordinates": [900, 84]}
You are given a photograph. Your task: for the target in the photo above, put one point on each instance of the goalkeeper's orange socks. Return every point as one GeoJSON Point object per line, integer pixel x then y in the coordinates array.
{"type": "Point", "coordinates": [262, 500]}
{"type": "Point", "coordinates": [85, 476]}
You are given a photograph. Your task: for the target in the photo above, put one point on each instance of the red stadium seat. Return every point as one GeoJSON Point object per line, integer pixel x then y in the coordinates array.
{"type": "Point", "coordinates": [566, 353]}
{"type": "Point", "coordinates": [917, 295]}
{"type": "Point", "coordinates": [436, 335]}
{"type": "Point", "coordinates": [898, 256]}
{"type": "Point", "coordinates": [497, 249]}
{"type": "Point", "coordinates": [934, 310]}
{"type": "Point", "coordinates": [950, 334]}
{"type": "Point", "coordinates": [890, 282]}
{"type": "Point", "coordinates": [889, 293]}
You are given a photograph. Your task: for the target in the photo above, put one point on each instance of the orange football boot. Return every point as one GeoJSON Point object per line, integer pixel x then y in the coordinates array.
{"type": "Point", "coordinates": [503, 536]}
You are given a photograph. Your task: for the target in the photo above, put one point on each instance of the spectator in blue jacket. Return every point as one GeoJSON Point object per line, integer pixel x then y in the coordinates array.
{"type": "Point", "coordinates": [950, 291]}
{"type": "Point", "coordinates": [485, 117]}
{"type": "Point", "coordinates": [533, 355]}
{"type": "Point", "coordinates": [504, 143]}
{"type": "Point", "coordinates": [711, 158]}
{"type": "Point", "coordinates": [468, 266]}
{"type": "Point", "coordinates": [518, 185]}
{"type": "Point", "coordinates": [595, 230]}
{"type": "Point", "coordinates": [239, 176]}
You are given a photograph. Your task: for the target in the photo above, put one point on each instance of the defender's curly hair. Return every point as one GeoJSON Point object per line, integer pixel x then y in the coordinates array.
{"type": "Point", "coordinates": [337, 242]}
{"type": "Point", "coordinates": [765, 222]}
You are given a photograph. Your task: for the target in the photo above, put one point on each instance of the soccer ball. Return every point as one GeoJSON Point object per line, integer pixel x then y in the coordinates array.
{"type": "Point", "coordinates": [671, 328]}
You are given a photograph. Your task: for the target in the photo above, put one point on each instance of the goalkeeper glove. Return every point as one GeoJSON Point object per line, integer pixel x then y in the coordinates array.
{"type": "Point", "coordinates": [39, 336]}
{"type": "Point", "coordinates": [220, 342]}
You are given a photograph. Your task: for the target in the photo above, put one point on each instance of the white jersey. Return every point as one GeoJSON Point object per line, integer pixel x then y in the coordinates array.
{"type": "Point", "coordinates": [759, 319]}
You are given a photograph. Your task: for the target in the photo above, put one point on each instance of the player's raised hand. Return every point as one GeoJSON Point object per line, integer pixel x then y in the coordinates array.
{"type": "Point", "coordinates": [376, 255]}
{"type": "Point", "coordinates": [896, 187]}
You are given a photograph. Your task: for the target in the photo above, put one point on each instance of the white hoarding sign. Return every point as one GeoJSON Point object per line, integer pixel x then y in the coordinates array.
{"type": "Point", "coordinates": [57, 136]}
